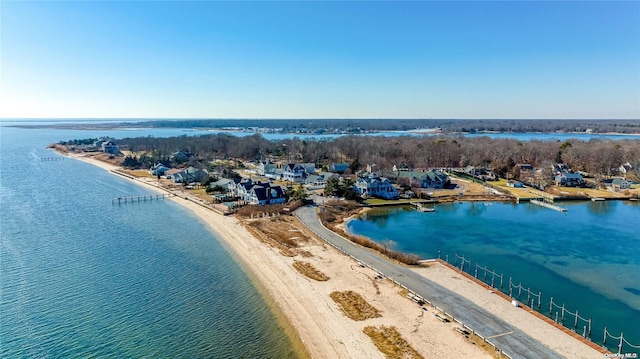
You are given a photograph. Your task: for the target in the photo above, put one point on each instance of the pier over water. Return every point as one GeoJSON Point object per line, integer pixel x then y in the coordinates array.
{"type": "Point", "coordinates": [138, 199]}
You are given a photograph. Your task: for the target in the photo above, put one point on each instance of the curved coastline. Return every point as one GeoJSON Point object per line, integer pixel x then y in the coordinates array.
{"type": "Point", "coordinates": [310, 331]}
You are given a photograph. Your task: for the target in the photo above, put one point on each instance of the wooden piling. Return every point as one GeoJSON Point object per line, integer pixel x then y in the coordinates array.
{"type": "Point", "coordinates": [138, 199]}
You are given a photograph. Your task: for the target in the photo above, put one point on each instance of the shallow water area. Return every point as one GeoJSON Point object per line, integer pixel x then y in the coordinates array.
{"type": "Point", "coordinates": [587, 258]}
{"type": "Point", "coordinates": [81, 277]}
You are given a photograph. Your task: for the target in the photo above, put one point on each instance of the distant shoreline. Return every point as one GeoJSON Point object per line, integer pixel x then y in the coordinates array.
{"type": "Point", "coordinates": [320, 127]}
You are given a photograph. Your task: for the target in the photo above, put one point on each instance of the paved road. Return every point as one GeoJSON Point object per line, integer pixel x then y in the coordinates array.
{"type": "Point", "coordinates": [516, 343]}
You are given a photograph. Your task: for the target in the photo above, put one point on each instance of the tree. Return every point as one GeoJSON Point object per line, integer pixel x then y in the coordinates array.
{"type": "Point", "coordinates": [299, 192]}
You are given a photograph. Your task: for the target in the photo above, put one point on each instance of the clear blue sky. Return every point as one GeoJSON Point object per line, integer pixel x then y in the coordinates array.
{"type": "Point", "coordinates": [212, 59]}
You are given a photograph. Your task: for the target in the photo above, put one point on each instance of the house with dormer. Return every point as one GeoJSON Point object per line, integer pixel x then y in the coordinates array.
{"type": "Point", "coordinates": [297, 172]}
{"type": "Point", "coordinates": [158, 169]}
{"type": "Point", "coordinates": [372, 185]}
{"type": "Point", "coordinates": [110, 147]}
{"type": "Point", "coordinates": [258, 192]}
{"type": "Point", "coordinates": [189, 175]}
{"type": "Point", "coordinates": [569, 179]}
{"type": "Point", "coordinates": [429, 179]}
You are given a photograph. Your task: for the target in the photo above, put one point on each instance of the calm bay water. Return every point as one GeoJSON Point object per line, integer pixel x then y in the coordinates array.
{"type": "Point", "coordinates": [587, 258]}
{"type": "Point", "coordinates": [80, 277]}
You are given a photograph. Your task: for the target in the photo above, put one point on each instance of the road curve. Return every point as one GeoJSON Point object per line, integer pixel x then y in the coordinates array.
{"type": "Point", "coordinates": [508, 338]}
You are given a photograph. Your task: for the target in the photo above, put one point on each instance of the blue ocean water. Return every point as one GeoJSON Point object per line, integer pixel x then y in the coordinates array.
{"type": "Point", "coordinates": [587, 258]}
{"type": "Point", "coordinates": [80, 277]}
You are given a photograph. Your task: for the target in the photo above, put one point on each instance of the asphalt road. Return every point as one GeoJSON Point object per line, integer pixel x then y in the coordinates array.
{"type": "Point", "coordinates": [509, 339]}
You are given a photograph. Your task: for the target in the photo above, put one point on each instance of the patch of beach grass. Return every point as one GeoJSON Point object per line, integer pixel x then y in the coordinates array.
{"type": "Point", "coordinates": [280, 232]}
{"type": "Point", "coordinates": [310, 271]}
{"type": "Point", "coordinates": [139, 173]}
{"type": "Point", "coordinates": [389, 341]}
{"type": "Point", "coordinates": [403, 292]}
{"type": "Point", "coordinates": [354, 306]}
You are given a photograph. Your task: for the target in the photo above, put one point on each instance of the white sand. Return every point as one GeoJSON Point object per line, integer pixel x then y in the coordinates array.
{"type": "Point", "coordinates": [327, 333]}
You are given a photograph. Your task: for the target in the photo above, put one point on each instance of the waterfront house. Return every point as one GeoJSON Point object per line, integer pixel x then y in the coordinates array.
{"type": "Point", "coordinates": [569, 179]}
{"type": "Point", "coordinates": [110, 147]}
{"type": "Point", "coordinates": [429, 179]}
{"type": "Point", "coordinates": [257, 192]}
{"type": "Point", "coordinates": [227, 184]}
{"type": "Point", "coordinates": [188, 175]}
{"type": "Point", "coordinates": [617, 184]}
{"type": "Point", "coordinates": [266, 193]}
{"type": "Point", "coordinates": [172, 171]}
{"type": "Point", "coordinates": [480, 173]}
{"type": "Point", "coordinates": [159, 169]}
{"type": "Point", "coordinates": [372, 185]}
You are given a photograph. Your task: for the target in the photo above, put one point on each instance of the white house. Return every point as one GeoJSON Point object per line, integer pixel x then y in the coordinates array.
{"type": "Point", "coordinates": [110, 147]}
{"type": "Point", "coordinates": [372, 185]}
{"type": "Point", "coordinates": [260, 192]}
{"type": "Point", "coordinates": [266, 168]}
{"type": "Point", "coordinates": [294, 173]}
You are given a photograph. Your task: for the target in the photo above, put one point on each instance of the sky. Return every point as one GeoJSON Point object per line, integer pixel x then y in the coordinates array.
{"type": "Point", "coordinates": [320, 59]}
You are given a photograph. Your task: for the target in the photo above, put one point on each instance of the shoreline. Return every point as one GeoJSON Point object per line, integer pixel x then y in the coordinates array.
{"type": "Point", "coordinates": [303, 305]}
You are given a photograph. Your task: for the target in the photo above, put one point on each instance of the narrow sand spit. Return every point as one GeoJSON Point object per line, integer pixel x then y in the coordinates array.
{"type": "Point", "coordinates": [327, 333]}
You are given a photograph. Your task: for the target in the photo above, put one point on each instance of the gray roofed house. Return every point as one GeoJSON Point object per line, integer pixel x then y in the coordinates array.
{"type": "Point", "coordinates": [189, 175]}
{"type": "Point", "coordinates": [372, 185]}
{"type": "Point", "coordinates": [228, 184]}
{"type": "Point", "coordinates": [265, 193]}
{"type": "Point", "coordinates": [569, 179]}
{"type": "Point", "coordinates": [430, 179]}
{"type": "Point", "coordinates": [110, 147]}
{"type": "Point", "coordinates": [181, 156]}
{"type": "Point", "coordinates": [265, 168]}
{"type": "Point", "coordinates": [260, 192]}
{"type": "Point", "coordinates": [620, 183]}
{"type": "Point", "coordinates": [339, 167]}
{"type": "Point", "coordinates": [159, 169]}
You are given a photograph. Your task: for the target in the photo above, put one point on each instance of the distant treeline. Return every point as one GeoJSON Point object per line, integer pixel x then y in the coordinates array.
{"type": "Point", "coordinates": [355, 126]}
{"type": "Point", "coordinates": [600, 157]}
{"type": "Point", "coordinates": [446, 125]}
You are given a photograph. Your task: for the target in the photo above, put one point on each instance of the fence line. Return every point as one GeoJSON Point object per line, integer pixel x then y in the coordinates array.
{"type": "Point", "coordinates": [620, 343]}
{"type": "Point", "coordinates": [502, 353]}
{"type": "Point", "coordinates": [531, 296]}
{"type": "Point", "coordinates": [530, 301]}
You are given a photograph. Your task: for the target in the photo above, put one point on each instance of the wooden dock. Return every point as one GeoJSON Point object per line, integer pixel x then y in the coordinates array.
{"type": "Point", "coordinates": [138, 199]}
{"type": "Point", "coordinates": [56, 158]}
{"type": "Point", "coordinates": [422, 208]}
{"type": "Point", "coordinates": [548, 205]}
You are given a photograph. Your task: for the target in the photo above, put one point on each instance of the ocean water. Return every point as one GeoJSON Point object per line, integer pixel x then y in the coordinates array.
{"type": "Point", "coordinates": [587, 258]}
{"type": "Point", "coordinates": [80, 277]}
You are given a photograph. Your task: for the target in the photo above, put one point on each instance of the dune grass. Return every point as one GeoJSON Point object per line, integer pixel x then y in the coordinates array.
{"type": "Point", "coordinates": [310, 271]}
{"type": "Point", "coordinates": [354, 306]}
{"type": "Point", "coordinates": [390, 342]}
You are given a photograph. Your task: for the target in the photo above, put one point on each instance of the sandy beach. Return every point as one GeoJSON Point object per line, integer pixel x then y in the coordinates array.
{"type": "Point", "coordinates": [327, 333]}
